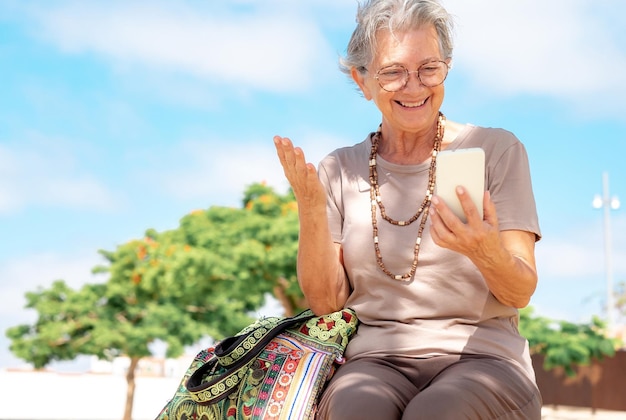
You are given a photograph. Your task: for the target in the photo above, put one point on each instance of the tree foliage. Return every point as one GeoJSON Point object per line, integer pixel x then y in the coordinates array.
{"type": "Point", "coordinates": [203, 278]}
{"type": "Point", "coordinates": [65, 327]}
{"type": "Point", "coordinates": [566, 344]}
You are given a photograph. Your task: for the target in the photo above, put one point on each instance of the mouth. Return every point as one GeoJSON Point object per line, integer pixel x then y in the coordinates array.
{"type": "Point", "coordinates": [412, 104]}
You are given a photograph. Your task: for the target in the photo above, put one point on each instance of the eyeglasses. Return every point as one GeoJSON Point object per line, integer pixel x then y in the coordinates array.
{"type": "Point", "coordinates": [396, 77]}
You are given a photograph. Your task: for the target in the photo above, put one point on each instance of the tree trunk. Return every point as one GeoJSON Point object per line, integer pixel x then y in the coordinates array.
{"type": "Point", "coordinates": [289, 303]}
{"type": "Point", "coordinates": [130, 390]}
{"type": "Point", "coordinates": [281, 296]}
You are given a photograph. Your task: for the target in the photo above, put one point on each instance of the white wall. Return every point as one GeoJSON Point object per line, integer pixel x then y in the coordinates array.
{"type": "Point", "coordinates": [63, 396]}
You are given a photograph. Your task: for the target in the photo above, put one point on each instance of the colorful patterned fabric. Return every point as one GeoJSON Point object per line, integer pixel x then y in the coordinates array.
{"type": "Point", "coordinates": [274, 369]}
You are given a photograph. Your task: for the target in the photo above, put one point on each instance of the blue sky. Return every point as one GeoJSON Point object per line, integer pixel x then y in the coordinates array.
{"type": "Point", "coordinates": [117, 116]}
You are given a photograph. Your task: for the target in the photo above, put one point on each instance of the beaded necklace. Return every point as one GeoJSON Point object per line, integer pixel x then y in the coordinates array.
{"type": "Point", "coordinates": [422, 211]}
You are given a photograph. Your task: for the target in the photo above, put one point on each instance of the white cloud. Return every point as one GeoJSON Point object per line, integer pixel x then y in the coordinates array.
{"type": "Point", "coordinates": [29, 272]}
{"type": "Point", "coordinates": [572, 50]}
{"type": "Point", "coordinates": [562, 48]}
{"type": "Point", "coordinates": [40, 171]}
{"type": "Point", "coordinates": [565, 258]}
{"type": "Point", "coordinates": [223, 168]}
{"type": "Point", "coordinates": [571, 266]}
{"type": "Point", "coordinates": [273, 49]}
{"type": "Point", "coordinates": [218, 168]}
{"type": "Point", "coordinates": [580, 254]}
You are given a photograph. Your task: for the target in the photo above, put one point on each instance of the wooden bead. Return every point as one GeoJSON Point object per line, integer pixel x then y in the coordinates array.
{"type": "Point", "coordinates": [422, 211]}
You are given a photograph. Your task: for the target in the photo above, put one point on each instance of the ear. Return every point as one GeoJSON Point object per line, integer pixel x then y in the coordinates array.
{"type": "Point", "coordinates": [359, 79]}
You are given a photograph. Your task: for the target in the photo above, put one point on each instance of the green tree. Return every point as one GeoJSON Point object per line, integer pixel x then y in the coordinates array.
{"type": "Point", "coordinates": [564, 343]}
{"type": "Point", "coordinates": [106, 320]}
{"type": "Point", "coordinates": [203, 278]}
{"type": "Point", "coordinates": [258, 243]}
{"type": "Point", "coordinates": [63, 330]}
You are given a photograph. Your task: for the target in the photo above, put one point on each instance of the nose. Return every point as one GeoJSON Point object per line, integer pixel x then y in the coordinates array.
{"type": "Point", "coordinates": [409, 79]}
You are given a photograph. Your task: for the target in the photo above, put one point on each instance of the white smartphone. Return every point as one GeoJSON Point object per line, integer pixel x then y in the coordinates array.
{"type": "Point", "coordinates": [464, 167]}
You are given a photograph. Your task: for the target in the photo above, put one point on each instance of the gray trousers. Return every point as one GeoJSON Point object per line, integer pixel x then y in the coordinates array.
{"type": "Point", "coordinates": [439, 388]}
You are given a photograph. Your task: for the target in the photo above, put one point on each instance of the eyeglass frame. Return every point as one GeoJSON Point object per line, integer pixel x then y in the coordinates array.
{"type": "Point", "coordinates": [408, 72]}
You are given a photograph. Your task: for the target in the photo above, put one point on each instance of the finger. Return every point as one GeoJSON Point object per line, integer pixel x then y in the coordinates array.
{"type": "Point", "coordinates": [445, 214]}
{"type": "Point", "coordinates": [439, 230]}
{"type": "Point", "coordinates": [282, 142]}
{"type": "Point", "coordinates": [289, 151]}
{"type": "Point", "coordinates": [489, 209]}
{"type": "Point", "coordinates": [469, 207]}
{"type": "Point", "coordinates": [435, 226]}
{"type": "Point", "coordinates": [298, 164]}
{"type": "Point", "coordinates": [298, 158]}
{"type": "Point", "coordinates": [283, 145]}
{"type": "Point", "coordinates": [311, 176]}
{"type": "Point", "coordinates": [291, 158]}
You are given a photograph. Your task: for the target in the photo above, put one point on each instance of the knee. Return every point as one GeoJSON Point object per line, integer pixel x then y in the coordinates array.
{"type": "Point", "coordinates": [356, 403]}
{"type": "Point", "coordinates": [442, 403]}
{"type": "Point", "coordinates": [453, 403]}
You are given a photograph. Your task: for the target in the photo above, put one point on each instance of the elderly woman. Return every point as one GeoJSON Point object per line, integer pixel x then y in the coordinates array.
{"type": "Point", "coordinates": [437, 298]}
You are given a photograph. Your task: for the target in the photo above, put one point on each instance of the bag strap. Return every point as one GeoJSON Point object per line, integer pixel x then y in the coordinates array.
{"type": "Point", "coordinates": [244, 346]}
{"type": "Point", "coordinates": [236, 354]}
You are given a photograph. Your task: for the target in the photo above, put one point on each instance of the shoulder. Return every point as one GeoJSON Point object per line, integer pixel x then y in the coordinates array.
{"type": "Point", "coordinates": [346, 167]}
{"type": "Point", "coordinates": [494, 141]}
{"type": "Point", "coordinates": [490, 136]}
{"type": "Point", "coordinates": [348, 156]}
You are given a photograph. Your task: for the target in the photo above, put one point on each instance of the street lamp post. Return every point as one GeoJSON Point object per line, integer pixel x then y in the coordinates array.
{"type": "Point", "coordinates": [607, 203]}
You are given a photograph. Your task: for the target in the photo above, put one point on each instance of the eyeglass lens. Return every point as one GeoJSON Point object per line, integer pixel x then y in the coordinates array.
{"type": "Point", "coordinates": [396, 77]}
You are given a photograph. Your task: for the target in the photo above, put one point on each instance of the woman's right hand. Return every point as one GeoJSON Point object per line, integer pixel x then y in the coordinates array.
{"type": "Point", "coordinates": [302, 176]}
{"type": "Point", "coordinates": [320, 269]}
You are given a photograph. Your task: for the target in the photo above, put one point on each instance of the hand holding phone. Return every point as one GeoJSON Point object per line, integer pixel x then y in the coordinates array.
{"type": "Point", "coordinates": [461, 167]}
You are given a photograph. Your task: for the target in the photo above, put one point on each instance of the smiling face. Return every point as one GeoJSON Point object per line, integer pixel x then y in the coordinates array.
{"type": "Point", "coordinates": [415, 108]}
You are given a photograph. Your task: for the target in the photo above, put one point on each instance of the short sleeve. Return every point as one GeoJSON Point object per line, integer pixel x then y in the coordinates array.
{"type": "Point", "coordinates": [509, 183]}
{"type": "Point", "coordinates": [330, 177]}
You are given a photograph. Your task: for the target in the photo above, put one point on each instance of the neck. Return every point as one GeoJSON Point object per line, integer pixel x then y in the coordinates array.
{"type": "Point", "coordinates": [406, 148]}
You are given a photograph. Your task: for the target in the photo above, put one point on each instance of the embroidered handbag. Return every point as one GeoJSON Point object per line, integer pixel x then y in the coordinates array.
{"type": "Point", "coordinates": [275, 368]}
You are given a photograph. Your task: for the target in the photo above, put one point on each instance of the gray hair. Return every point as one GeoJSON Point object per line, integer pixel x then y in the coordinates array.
{"type": "Point", "coordinates": [394, 16]}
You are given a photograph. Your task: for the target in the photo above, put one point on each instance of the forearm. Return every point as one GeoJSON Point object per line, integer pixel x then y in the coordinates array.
{"type": "Point", "coordinates": [320, 272]}
{"type": "Point", "coordinates": [510, 271]}
{"type": "Point", "coordinates": [511, 280]}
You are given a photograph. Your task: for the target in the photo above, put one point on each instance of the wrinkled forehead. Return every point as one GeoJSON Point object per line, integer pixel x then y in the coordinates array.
{"type": "Point", "coordinates": [408, 47]}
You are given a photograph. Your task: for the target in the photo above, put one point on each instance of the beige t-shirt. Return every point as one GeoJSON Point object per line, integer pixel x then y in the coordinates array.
{"type": "Point", "coordinates": [446, 308]}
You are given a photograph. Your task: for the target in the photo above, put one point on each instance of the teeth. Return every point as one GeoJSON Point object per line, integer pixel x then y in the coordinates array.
{"type": "Point", "coordinates": [412, 104]}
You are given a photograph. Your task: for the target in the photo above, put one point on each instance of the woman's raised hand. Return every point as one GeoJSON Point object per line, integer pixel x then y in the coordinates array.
{"type": "Point", "coordinates": [302, 176]}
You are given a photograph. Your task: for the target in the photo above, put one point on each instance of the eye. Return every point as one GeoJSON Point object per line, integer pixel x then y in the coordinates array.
{"type": "Point", "coordinates": [391, 73]}
{"type": "Point", "coordinates": [430, 68]}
